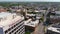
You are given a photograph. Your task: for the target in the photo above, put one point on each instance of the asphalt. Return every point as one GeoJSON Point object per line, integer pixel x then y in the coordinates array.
{"type": "Point", "coordinates": [39, 29]}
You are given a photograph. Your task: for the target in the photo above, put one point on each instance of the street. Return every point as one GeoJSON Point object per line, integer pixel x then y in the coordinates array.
{"type": "Point", "coordinates": [39, 29]}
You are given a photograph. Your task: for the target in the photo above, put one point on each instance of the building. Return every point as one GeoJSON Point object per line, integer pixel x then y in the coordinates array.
{"type": "Point", "coordinates": [2, 9]}
{"type": "Point", "coordinates": [31, 24]}
{"type": "Point", "coordinates": [54, 29]}
{"type": "Point", "coordinates": [36, 13]}
{"type": "Point", "coordinates": [11, 23]}
{"type": "Point", "coordinates": [39, 13]}
{"type": "Point", "coordinates": [55, 18]}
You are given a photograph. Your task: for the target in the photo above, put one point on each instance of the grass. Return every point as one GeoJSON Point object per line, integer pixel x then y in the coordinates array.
{"type": "Point", "coordinates": [27, 32]}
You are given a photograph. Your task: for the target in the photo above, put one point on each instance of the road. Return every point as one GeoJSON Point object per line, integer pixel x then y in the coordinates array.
{"type": "Point", "coordinates": [39, 29]}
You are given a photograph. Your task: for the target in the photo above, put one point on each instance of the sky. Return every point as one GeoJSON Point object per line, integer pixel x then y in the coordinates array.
{"type": "Point", "coordinates": [31, 0]}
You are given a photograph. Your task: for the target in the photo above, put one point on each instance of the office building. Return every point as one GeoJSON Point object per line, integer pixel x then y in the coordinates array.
{"type": "Point", "coordinates": [11, 23]}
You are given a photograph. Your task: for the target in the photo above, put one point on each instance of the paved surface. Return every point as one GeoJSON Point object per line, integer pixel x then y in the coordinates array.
{"type": "Point", "coordinates": [39, 29]}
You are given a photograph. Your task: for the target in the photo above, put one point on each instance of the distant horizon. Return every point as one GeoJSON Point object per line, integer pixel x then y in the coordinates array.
{"type": "Point", "coordinates": [29, 0]}
{"type": "Point", "coordinates": [23, 1]}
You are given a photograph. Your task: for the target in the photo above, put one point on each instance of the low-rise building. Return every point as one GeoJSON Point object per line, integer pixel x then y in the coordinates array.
{"type": "Point", "coordinates": [54, 29]}
{"type": "Point", "coordinates": [30, 24]}
{"type": "Point", "coordinates": [55, 18]}
{"type": "Point", "coordinates": [2, 9]}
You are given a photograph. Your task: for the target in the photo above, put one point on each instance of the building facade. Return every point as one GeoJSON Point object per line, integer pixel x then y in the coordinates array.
{"type": "Point", "coordinates": [11, 24]}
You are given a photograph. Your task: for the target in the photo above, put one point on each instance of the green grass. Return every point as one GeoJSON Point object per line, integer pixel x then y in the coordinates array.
{"type": "Point", "coordinates": [27, 32]}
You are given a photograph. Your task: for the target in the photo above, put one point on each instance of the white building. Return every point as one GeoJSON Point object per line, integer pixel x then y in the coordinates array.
{"type": "Point", "coordinates": [11, 23]}
{"type": "Point", "coordinates": [54, 29]}
{"type": "Point", "coordinates": [31, 23]}
{"type": "Point", "coordinates": [30, 14]}
{"type": "Point", "coordinates": [41, 11]}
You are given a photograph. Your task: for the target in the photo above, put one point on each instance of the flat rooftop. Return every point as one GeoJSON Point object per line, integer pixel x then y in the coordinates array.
{"type": "Point", "coordinates": [31, 23]}
{"type": "Point", "coordinates": [3, 14]}
{"type": "Point", "coordinates": [9, 19]}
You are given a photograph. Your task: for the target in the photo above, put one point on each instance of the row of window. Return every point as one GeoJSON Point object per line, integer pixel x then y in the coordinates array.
{"type": "Point", "coordinates": [13, 28]}
{"type": "Point", "coordinates": [22, 31]}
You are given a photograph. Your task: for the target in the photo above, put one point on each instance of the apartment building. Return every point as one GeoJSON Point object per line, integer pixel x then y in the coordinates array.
{"type": "Point", "coordinates": [11, 23]}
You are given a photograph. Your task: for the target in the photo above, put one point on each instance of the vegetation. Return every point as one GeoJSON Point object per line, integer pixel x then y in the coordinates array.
{"type": "Point", "coordinates": [27, 32]}
{"type": "Point", "coordinates": [42, 19]}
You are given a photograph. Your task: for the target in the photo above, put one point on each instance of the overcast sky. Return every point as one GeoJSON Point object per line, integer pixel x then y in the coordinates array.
{"type": "Point", "coordinates": [33, 0]}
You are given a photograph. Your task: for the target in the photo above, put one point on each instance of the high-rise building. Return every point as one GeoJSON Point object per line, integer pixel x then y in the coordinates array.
{"type": "Point", "coordinates": [11, 23]}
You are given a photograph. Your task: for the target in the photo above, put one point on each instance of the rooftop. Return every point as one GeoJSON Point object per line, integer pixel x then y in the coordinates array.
{"type": "Point", "coordinates": [3, 14]}
{"type": "Point", "coordinates": [31, 23]}
{"type": "Point", "coordinates": [8, 19]}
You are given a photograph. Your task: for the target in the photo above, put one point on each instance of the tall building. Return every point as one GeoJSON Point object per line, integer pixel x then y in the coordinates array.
{"type": "Point", "coordinates": [11, 23]}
